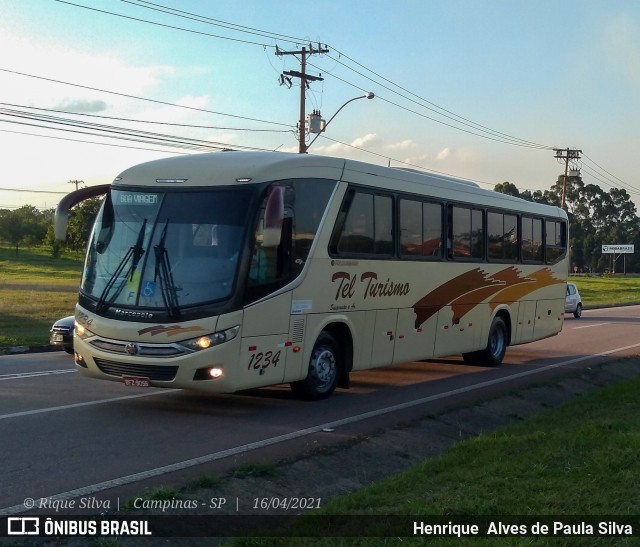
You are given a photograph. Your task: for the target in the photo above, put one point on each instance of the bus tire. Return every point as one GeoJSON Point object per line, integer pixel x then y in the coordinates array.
{"type": "Point", "coordinates": [324, 369]}
{"type": "Point", "coordinates": [497, 344]}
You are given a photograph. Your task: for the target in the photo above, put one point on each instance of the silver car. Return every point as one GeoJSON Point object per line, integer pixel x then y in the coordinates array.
{"type": "Point", "coordinates": [573, 302]}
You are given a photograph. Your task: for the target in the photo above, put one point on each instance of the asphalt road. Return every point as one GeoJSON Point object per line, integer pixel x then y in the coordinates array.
{"type": "Point", "coordinates": [65, 436]}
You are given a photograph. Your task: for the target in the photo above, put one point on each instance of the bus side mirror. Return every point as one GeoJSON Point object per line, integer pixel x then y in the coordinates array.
{"type": "Point", "coordinates": [273, 217]}
{"type": "Point", "coordinates": [61, 219]}
{"type": "Point", "coordinates": [60, 223]}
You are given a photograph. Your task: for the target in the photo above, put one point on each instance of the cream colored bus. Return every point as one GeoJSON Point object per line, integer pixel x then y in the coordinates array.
{"type": "Point", "coordinates": [234, 270]}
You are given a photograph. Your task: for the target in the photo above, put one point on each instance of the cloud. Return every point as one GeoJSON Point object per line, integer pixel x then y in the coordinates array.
{"type": "Point", "coordinates": [403, 145]}
{"type": "Point", "coordinates": [44, 67]}
{"type": "Point", "coordinates": [193, 102]}
{"type": "Point", "coordinates": [443, 154]}
{"type": "Point", "coordinates": [170, 114]}
{"type": "Point", "coordinates": [622, 46]}
{"type": "Point", "coordinates": [367, 140]}
{"type": "Point", "coordinates": [82, 106]}
{"type": "Point", "coordinates": [348, 150]}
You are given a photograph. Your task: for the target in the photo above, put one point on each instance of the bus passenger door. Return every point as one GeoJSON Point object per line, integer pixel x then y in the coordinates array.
{"type": "Point", "coordinates": [265, 333]}
{"type": "Point", "coordinates": [384, 337]}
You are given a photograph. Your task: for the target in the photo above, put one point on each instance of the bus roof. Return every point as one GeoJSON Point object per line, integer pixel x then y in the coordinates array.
{"type": "Point", "coordinates": [239, 167]}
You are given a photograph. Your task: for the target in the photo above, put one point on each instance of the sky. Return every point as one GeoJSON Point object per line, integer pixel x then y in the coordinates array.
{"type": "Point", "coordinates": [477, 89]}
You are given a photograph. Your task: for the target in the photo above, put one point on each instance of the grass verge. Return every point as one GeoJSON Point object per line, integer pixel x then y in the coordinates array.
{"type": "Point", "coordinates": [578, 459]}
{"type": "Point", "coordinates": [35, 290]}
{"type": "Point", "coordinates": [606, 291]}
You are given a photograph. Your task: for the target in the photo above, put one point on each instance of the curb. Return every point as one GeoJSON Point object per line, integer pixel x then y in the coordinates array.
{"type": "Point", "coordinates": [18, 350]}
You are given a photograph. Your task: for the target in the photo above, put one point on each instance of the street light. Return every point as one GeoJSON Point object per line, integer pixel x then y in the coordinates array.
{"type": "Point", "coordinates": [367, 95]}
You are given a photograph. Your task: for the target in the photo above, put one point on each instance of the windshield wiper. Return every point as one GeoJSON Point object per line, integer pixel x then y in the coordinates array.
{"type": "Point", "coordinates": [135, 253]}
{"type": "Point", "coordinates": [163, 271]}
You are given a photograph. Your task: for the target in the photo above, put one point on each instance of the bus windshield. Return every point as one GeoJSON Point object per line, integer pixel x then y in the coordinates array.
{"type": "Point", "coordinates": [165, 250]}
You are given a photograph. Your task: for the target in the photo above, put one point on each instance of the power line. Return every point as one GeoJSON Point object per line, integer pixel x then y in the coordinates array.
{"type": "Point", "coordinates": [164, 151]}
{"type": "Point", "coordinates": [215, 22]}
{"type": "Point", "coordinates": [155, 101]}
{"type": "Point", "coordinates": [389, 158]}
{"type": "Point", "coordinates": [144, 137]}
{"type": "Point", "coordinates": [502, 137]}
{"type": "Point", "coordinates": [474, 127]}
{"type": "Point", "coordinates": [609, 176]}
{"type": "Point", "coordinates": [596, 176]}
{"type": "Point", "coordinates": [193, 126]}
{"type": "Point", "coordinates": [123, 135]}
{"type": "Point", "coordinates": [497, 135]}
{"type": "Point", "coordinates": [163, 24]}
{"type": "Point", "coordinates": [147, 136]}
{"type": "Point", "coordinates": [32, 191]}
{"type": "Point", "coordinates": [91, 142]}
{"type": "Point", "coordinates": [448, 114]}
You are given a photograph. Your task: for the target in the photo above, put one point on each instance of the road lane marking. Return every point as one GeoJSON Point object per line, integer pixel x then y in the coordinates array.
{"type": "Point", "coordinates": [208, 458]}
{"type": "Point", "coordinates": [80, 405]}
{"type": "Point", "coordinates": [20, 375]}
{"type": "Point", "coordinates": [589, 326]}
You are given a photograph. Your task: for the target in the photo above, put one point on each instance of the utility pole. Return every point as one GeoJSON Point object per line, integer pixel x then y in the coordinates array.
{"type": "Point", "coordinates": [304, 79]}
{"type": "Point", "coordinates": [566, 154]}
{"type": "Point", "coordinates": [76, 182]}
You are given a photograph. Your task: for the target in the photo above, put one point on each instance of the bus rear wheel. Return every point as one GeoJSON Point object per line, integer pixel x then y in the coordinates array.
{"type": "Point", "coordinates": [324, 368]}
{"type": "Point", "coordinates": [497, 344]}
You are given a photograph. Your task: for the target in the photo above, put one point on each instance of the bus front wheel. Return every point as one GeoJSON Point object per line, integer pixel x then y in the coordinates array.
{"type": "Point", "coordinates": [497, 344]}
{"type": "Point", "coordinates": [322, 375]}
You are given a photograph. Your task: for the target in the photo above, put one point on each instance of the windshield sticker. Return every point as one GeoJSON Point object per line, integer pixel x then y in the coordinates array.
{"type": "Point", "coordinates": [149, 289]}
{"type": "Point", "coordinates": [133, 282]}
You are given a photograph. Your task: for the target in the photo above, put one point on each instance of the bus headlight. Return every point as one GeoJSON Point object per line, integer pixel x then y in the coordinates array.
{"type": "Point", "coordinates": [215, 339]}
{"type": "Point", "coordinates": [82, 332]}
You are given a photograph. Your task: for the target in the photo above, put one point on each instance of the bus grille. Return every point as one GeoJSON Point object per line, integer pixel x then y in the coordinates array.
{"type": "Point", "coordinates": [153, 372]}
{"type": "Point", "coordinates": [144, 350]}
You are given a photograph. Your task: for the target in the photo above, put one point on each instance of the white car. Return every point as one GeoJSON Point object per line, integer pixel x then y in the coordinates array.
{"type": "Point", "coordinates": [573, 302]}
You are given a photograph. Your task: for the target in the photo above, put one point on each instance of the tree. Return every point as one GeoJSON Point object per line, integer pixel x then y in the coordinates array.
{"type": "Point", "coordinates": [81, 222]}
{"type": "Point", "coordinates": [81, 219]}
{"type": "Point", "coordinates": [24, 226]}
{"type": "Point", "coordinates": [596, 217]}
{"type": "Point", "coordinates": [507, 188]}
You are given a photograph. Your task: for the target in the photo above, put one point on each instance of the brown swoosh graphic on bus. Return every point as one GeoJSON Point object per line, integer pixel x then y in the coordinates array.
{"type": "Point", "coordinates": [538, 280]}
{"type": "Point", "coordinates": [466, 291]}
{"type": "Point", "coordinates": [465, 303]}
{"type": "Point", "coordinates": [169, 330]}
{"type": "Point", "coordinates": [438, 298]}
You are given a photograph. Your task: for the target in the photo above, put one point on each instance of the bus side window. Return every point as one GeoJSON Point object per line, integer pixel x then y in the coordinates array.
{"type": "Point", "coordinates": [367, 228]}
{"type": "Point", "coordinates": [288, 221]}
{"type": "Point", "coordinates": [532, 248]}
{"type": "Point", "coordinates": [555, 241]}
{"type": "Point", "coordinates": [358, 235]}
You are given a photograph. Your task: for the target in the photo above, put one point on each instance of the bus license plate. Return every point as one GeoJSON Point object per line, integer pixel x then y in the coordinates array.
{"type": "Point", "coordinates": [136, 381]}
